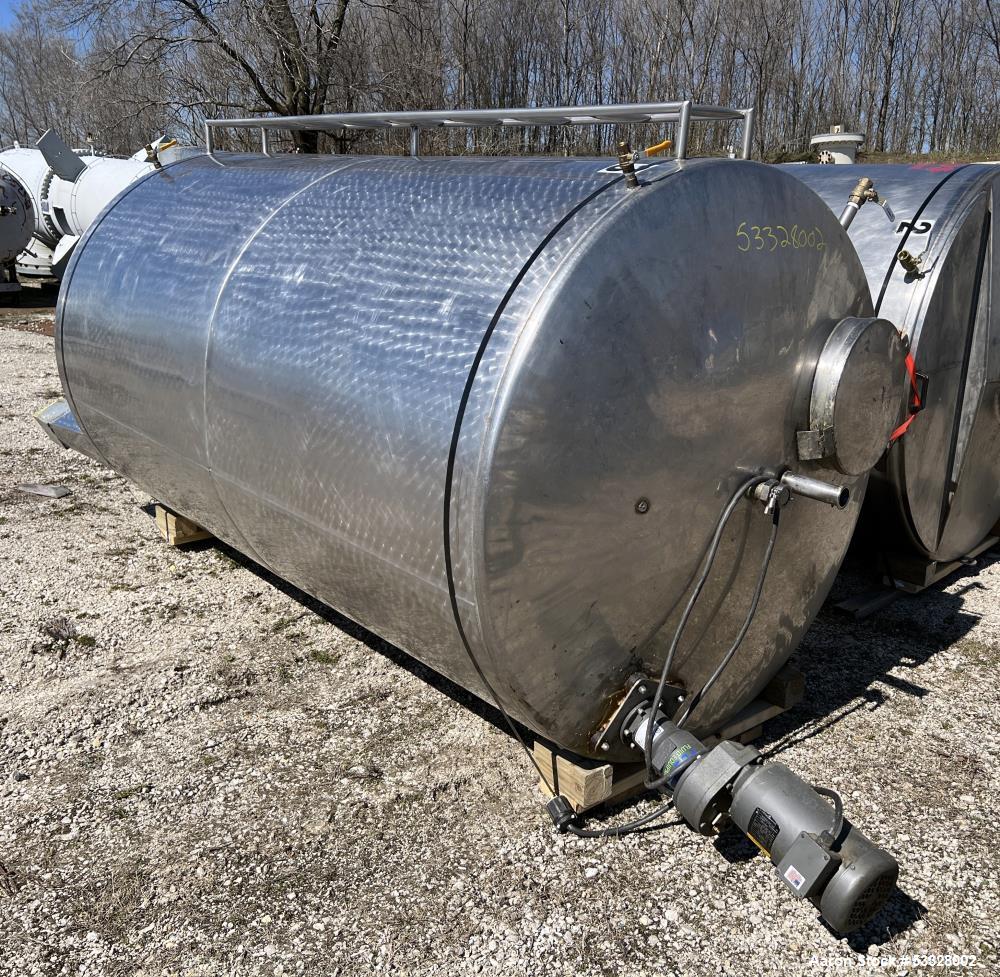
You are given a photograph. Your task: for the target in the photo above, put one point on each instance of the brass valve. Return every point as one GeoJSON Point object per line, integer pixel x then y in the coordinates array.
{"type": "Point", "coordinates": [862, 194]}
{"type": "Point", "coordinates": [153, 152]}
{"type": "Point", "coordinates": [865, 191]}
{"type": "Point", "coordinates": [910, 262]}
{"type": "Point", "coordinates": [626, 162]}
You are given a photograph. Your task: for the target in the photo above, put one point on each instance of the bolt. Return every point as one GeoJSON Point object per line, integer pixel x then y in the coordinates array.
{"type": "Point", "coordinates": [642, 690]}
{"type": "Point", "coordinates": [605, 747]}
{"type": "Point", "coordinates": [642, 506]}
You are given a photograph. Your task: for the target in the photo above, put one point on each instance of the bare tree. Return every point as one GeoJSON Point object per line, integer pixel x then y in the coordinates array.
{"type": "Point", "coordinates": [916, 75]}
{"type": "Point", "coordinates": [270, 55]}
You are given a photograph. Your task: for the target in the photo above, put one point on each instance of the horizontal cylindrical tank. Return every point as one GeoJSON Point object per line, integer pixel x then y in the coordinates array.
{"type": "Point", "coordinates": [936, 493]}
{"type": "Point", "coordinates": [66, 207]}
{"type": "Point", "coordinates": [489, 405]}
{"type": "Point", "coordinates": [62, 208]}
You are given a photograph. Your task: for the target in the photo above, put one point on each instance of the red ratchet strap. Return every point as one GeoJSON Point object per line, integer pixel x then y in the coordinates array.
{"type": "Point", "coordinates": [915, 404]}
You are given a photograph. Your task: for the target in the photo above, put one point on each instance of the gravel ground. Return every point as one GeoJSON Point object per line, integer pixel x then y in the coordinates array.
{"type": "Point", "coordinates": [202, 772]}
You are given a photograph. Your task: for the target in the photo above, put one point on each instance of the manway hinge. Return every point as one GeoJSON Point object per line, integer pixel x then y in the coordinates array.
{"type": "Point", "coordinates": [815, 444]}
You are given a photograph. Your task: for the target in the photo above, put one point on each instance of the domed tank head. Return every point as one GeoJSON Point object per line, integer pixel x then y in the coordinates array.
{"type": "Point", "coordinates": [16, 218]}
{"type": "Point", "coordinates": [673, 353]}
{"type": "Point", "coordinates": [934, 272]}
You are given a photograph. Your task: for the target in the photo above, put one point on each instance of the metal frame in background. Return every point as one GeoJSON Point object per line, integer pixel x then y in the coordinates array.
{"type": "Point", "coordinates": [681, 113]}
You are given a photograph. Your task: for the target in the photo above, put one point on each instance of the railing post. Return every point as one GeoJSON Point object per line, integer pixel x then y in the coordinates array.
{"type": "Point", "coordinates": [683, 127]}
{"type": "Point", "coordinates": [748, 122]}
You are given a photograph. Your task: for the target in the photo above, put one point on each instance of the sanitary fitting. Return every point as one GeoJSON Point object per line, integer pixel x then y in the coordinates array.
{"type": "Point", "coordinates": [777, 492]}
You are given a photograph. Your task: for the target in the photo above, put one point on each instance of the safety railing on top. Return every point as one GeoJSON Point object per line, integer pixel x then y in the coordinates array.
{"type": "Point", "coordinates": [682, 114]}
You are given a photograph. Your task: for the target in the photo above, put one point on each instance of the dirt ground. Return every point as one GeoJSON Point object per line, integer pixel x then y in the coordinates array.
{"type": "Point", "coordinates": [31, 310]}
{"type": "Point", "coordinates": [202, 772]}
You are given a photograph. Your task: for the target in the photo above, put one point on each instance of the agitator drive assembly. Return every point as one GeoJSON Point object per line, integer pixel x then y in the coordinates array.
{"type": "Point", "coordinates": [535, 421]}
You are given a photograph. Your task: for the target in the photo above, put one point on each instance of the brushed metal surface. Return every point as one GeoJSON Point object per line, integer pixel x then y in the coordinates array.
{"type": "Point", "coordinates": [295, 353]}
{"type": "Point", "coordinates": [936, 490]}
{"type": "Point", "coordinates": [855, 395]}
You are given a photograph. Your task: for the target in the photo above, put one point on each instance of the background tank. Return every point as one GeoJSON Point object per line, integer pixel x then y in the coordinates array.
{"type": "Point", "coordinates": [16, 223]}
{"type": "Point", "coordinates": [937, 492]}
{"type": "Point", "coordinates": [494, 397]}
{"type": "Point", "coordinates": [68, 191]}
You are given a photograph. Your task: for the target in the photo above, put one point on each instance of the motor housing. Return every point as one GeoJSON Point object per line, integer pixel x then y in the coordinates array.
{"type": "Point", "coordinates": [817, 853]}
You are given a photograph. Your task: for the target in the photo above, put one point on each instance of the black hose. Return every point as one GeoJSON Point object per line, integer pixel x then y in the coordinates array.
{"type": "Point", "coordinates": [627, 828]}
{"type": "Point", "coordinates": [708, 561]}
{"type": "Point", "coordinates": [693, 701]}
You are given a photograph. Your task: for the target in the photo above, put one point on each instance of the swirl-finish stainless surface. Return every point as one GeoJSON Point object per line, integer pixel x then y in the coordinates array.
{"type": "Point", "coordinates": [290, 350]}
{"type": "Point", "coordinates": [937, 490]}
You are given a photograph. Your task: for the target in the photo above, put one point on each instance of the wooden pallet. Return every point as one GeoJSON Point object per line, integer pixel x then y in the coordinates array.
{"type": "Point", "coordinates": [175, 529]}
{"type": "Point", "coordinates": [911, 575]}
{"type": "Point", "coordinates": [586, 784]}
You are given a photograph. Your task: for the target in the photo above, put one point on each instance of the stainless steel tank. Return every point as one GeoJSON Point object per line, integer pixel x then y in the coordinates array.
{"type": "Point", "coordinates": [937, 492]}
{"type": "Point", "coordinates": [504, 399]}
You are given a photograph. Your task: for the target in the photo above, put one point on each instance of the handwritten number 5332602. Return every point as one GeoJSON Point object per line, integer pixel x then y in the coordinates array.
{"type": "Point", "coordinates": [756, 237]}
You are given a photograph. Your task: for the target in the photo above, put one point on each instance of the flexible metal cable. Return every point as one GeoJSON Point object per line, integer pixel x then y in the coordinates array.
{"type": "Point", "coordinates": [838, 814]}
{"type": "Point", "coordinates": [707, 562]}
{"type": "Point", "coordinates": [693, 701]}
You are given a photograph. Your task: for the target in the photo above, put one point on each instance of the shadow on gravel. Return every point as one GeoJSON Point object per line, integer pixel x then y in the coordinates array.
{"type": "Point", "coordinates": [845, 660]}
{"type": "Point", "coordinates": [30, 310]}
{"type": "Point", "coordinates": [396, 655]}
{"type": "Point", "coordinates": [897, 916]}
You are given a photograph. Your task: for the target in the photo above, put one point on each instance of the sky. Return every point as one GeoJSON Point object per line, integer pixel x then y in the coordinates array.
{"type": "Point", "coordinates": [7, 8]}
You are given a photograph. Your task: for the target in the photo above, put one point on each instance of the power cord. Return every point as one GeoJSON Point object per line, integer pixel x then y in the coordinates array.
{"type": "Point", "coordinates": [708, 561]}
{"type": "Point", "coordinates": [693, 701]}
{"type": "Point", "coordinates": [830, 836]}
{"type": "Point", "coordinates": [564, 818]}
